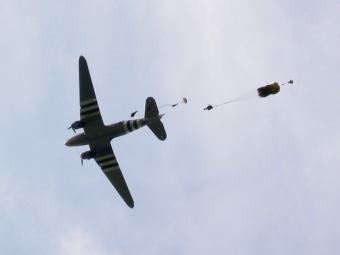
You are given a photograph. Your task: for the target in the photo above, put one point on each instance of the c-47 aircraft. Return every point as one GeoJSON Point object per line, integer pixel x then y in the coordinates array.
{"type": "Point", "coordinates": [98, 136]}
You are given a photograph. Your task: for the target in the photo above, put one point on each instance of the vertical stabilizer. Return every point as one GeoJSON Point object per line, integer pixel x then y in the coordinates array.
{"type": "Point", "coordinates": [151, 109]}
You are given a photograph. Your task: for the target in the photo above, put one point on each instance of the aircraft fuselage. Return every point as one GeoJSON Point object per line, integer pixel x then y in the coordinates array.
{"type": "Point", "coordinates": [111, 131]}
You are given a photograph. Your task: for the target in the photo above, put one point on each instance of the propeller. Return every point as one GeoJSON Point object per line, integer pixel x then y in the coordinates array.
{"type": "Point", "coordinates": [72, 129]}
{"type": "Point", "coordinates": [87, 155]}
{"type": "Point", "coordinates": [76, 125]}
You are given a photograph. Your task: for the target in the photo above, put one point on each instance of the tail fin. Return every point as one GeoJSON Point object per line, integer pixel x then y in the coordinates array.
{"type": "Point", "coordinates": [151, 111]}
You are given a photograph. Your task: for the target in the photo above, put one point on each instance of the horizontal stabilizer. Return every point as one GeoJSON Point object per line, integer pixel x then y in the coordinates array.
{"type": "Point", "coordinates": [158, 129]}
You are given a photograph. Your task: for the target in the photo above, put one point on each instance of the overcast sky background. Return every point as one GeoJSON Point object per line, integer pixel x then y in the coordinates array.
{"type": "Point", "coordinates": [255, 177]}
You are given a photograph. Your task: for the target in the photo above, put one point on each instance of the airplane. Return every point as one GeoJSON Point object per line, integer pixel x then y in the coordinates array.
{"type": "Point", "coordinates": [98, 136]}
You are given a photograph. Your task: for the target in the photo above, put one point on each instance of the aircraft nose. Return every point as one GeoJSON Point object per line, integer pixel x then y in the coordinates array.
{"type": "Point", "coordinates": [67, 142]}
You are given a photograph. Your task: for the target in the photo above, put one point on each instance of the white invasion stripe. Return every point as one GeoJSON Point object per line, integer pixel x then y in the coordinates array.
{"type": "Point", "coordinates": [125, 127]}
{"type": "Point", "coordinates": [108, 163]}
{"type": "Point", "coordinates": [105, 157]}
{"type": "Point", "coordinates": [132, 125]}
{"type": "Point", "coordinates": [88, 101]}
{"type": "Point", "coordinates": [89, 115]}
{"type": "Point", "coordinates": [111, 169]}
{"type": "Point", "coordinates": [138, 124]}
{"type": "Point", "coordinates": [89, 108]}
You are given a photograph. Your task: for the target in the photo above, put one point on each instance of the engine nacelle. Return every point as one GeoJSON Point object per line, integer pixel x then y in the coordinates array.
{"type": "Point", "coordinates": [77, 124]}
{"type": "Point", "coordinates": [87, 155]}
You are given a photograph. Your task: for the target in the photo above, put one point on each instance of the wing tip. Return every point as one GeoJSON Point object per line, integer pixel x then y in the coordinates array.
{"type": "Point", "coordinates": [82, 60]}
{"type": "Point", "coordinates": [130, 204]}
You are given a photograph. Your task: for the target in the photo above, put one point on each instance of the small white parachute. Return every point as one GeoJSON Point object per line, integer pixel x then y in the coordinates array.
{"type": "Point", "coordinates": [184, 101]}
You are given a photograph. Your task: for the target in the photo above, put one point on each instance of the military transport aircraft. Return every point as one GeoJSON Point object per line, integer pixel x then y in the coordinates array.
{"type": "Point", "coordinates": [98, 136]}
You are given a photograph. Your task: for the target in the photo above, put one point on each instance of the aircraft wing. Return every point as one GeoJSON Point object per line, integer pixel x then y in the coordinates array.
{"type": "Point", "coordinates": [107, 161]}
{"type": "Point", "coordinates": [89, 109]}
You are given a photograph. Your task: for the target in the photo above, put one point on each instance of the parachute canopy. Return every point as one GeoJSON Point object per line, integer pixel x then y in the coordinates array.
{"type": "Point", "coordinates": [267, 90]}
{"type": "Point", "coordinates": [209, 107]}
{"type": "Point", "coordinates": [291, 82]}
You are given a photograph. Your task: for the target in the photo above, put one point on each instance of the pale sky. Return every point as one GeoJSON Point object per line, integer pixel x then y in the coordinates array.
{"type": "Point", "coordinates": [260, 176]}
